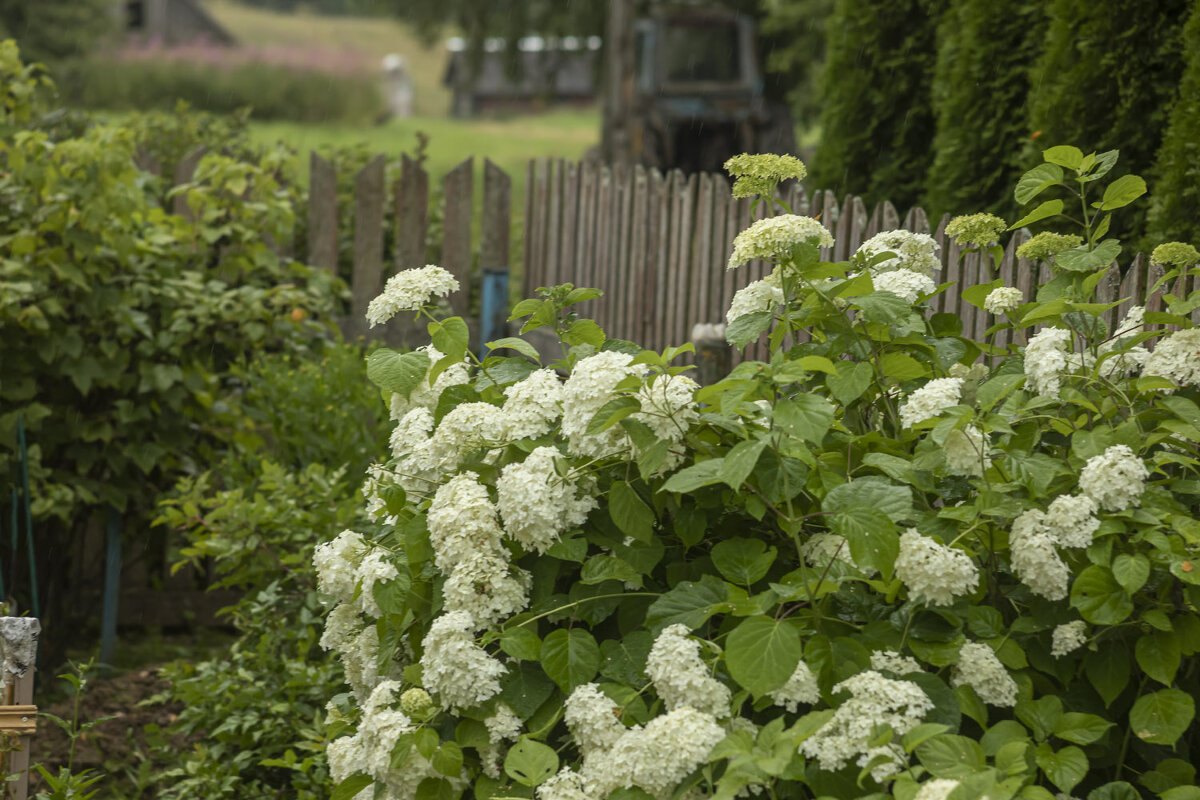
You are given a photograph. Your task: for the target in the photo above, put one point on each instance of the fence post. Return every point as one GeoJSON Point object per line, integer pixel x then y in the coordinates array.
{"type": "Point", "coordinates": [368, 242]}
{"type": "Point", "coordinates": [493, 252]}
{"type": "Point", "coordinates": [18, 715]}
{"type": "Point", "coordinates": [456, 242]}
{"type": "Point", "coordinates": [322, 214]}
{"type": "Point", "coordinates": [411, 200]}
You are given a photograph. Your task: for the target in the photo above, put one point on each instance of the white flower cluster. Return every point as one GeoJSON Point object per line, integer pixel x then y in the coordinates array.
{"type": "Point", "coordinates": [774, 237]}
{"type": "Point", "coordinates": [336, 563]}
{"type": "Point", "coordinates": [916, 252]}
{"type": "Point", "coordinates": [465, 429]}
{"type": "Point", "coordinates": [1003, 299]}
{"type": "Point", "coordinates": [1068, 637]}
{"type": "Point", "coordinates": [933, 571]}
{"type": "Point", "coordinates": [801, 687]}
{"type": "Point", "coordinates": [936, 789]}
{"type": "Point", "coordinates": [1071, 520]}
{"type": "Point", "coordinates": [979, 668]}
{"type": "Point", "coordinates": [502, 726]}
{"type": "Point", "coordinates": [415, 469]}
{"type": "Point", "coordinates": [931, 400]}
{"type": "Point", "coordinates": [875, 702]}
{"type": "Point", "coordinates": [822, 548]}
{"type": "Point", "coordinates": [592, 719]}
{"type": "Point", "coordinates": [375, 568]}
{"type": "Point", "coordinates": [904, 283]}
{"type": "Point", "coordinates": [1176, 358]}
{"type": "Point", "coordinates": [1034, 557]}
{"type": "Point", "coordinates": [891, 661]}
{"type": "Point", "coordinates": [455, 667]}
{"type": "Point", "coordinates": [592, 384]}
{"type": "Point", "coordinates": [426, 395]}
{"type": "Point", "coordinates": [1115, 479]}
{"type": "Point", "coordinates": [762, 295]}
{"type": "Point", "coordinates": [536, 503]}
{"type": "Point", "coordinates": [357, 646]}
{"type": "Point", "coordinates": [966, 451]}
{"type": "Point", "coordinates": [533, 405]}
{"type": "Point", "coordinates": [668, 409]}
{"type": "Point", "coordinates": [1046, 359]}
{"type": "Point", "coordinates": [681, 677]}
{"type": "Point", "coordinates": [409, 290]}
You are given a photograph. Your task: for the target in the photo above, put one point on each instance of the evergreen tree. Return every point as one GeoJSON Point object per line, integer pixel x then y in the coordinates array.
{"type": "Point", "coordinates": [51, 30]}
{"type": "Point", "coordinates": [1106, 79]}
{"type": "Point", "coordinates": [877, 122]}
{"type": "Point", "coordinates": [1175, 179]}
{"type": "Point", "coordinates": [985, 52]}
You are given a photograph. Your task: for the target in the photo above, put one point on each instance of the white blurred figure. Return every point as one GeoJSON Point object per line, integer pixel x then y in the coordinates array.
{"type": "Point", "coordinates": [397, 86]}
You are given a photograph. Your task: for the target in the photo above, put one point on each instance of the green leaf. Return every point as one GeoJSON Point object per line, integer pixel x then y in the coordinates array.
{"type": "Point", "coordinates": [521, 642]}
{"type": "Point", "coordinates": [872, 492]}
{"type": "Point", "coordinates": [1108, 669]}
{"type": "Point", "coordinates": [745, 329]}
{"type": "Point", "coordinates": [601, 568]}
{"type": "Point", "coordinates": [1041, 715]}
{"type": "Point", "coordinates": [1158, 654]}
{"type": "Point", "coordinates": [629, 512]}
{"type": "Point", "coordinates": [689, 480]}
{"type": "Point", "coordinates": [397, 373]}
{"type": "Point", "coordinates": [805, 416]}
{"type": "Point", "coordinates": [1064, 155]}
{"type": "Point", "coordinates": [625, 658]}
{"type": "Point", "coordinates": [584, 331]}
{"type": "Point", "coordinates": [1047, 209]}
{"type": "Point", "coordinates": [1036, 181]}
{"type": "Point", "coordinates": [520, 345]}
{"type": "Point", "coordinates": [690, 603]}
{"type": "Point", "coordinates": [570, 657]}
{"type": "Point", "coordinates": [1162, 717]}
{"type": "Point", "coordinates": [1099, 598]}
{"type": "Point", "coordinates": [450, 336]}
{"type": "Point", "coordinates": [951, 756]}
{"type": "Point", "coordinates": [1121, 192]}
{"type": "Point", "coordinates": [743, 561]}
{"type": "Point", "coordinates": [1065, 768]}
{"type": "Point", "coordinates": [349, 788]}
{"type": "Point", "coordinates": [530, 763]}
{"type": "Point", "coordinates": [872, 537]}
{"type": "Point", "coordinates": [901, 367]}
{"type": "Point", "coordinates": [851, 380]}
{"type": "Point", "coordinates": [884, 307]}
{"type": "Point", "coordinates": [448, 759]}
{"type": "Point", "coordinates": [1080, 259]}
{"type": "Point", "coordinates": [427, 741]}
{"type": "Point", "coordinates": [1080, 728]}
{"type": "Point", "coordinates": [525, 688]}
{"type": "Point", "coordinates": [762, 653]}
{"type": "Point", "coordinates": [740, 461]}
{"type": "Point", "coordinates": [1131, 571]}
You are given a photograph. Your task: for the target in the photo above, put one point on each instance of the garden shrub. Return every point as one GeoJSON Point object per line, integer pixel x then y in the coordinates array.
{"type": "Point", "coordinates": [272, 91]}
{"type": "Point", "coordinates": [1175, 202]}
{"type": "Point", "coordinates": [892, 561]}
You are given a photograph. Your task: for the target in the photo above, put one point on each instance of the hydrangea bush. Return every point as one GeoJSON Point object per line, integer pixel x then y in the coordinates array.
{"type": "Point", "coordinates": [889, 562]}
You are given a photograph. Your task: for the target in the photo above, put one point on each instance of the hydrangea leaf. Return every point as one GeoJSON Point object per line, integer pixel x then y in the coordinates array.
{"type": "Point", "coordinates": [570, 657]}
{"type": "Point", "coordinates": [530, 763]}
{"type": "Point", "coordinates": [762, 653]}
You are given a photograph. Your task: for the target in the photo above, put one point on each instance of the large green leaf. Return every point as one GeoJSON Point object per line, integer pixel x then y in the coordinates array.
{"type": "Point", "coordinates": [570, 657]}
{"type": "Point", "coordinates": [630, 512]}
{"type": "Point", "coordinates": [748, 327]}
{"type": "Point", "coordinates": [743, 561]}
{"type": "Point", "coordinates": [1036, 181]}
{"type": "Point", "coordinates": [690, 603]}
{"type": "Point", "coordinates": [1158, 654]}
{"type": "Point", "coordinates": [1108, 670]}
{"type": "Point", "coordinates": [740, 461]}
{"type": "Point", "coordinates": [872, 492]}
{"type": "Point", "coordinates": [1065, 768]}
{"type": "Point", "coordinates": [872, 537]}
{"type": "Point", "coordinates": [1121, 192]}
{"type": "Point", "coordinates": [1064, 155]}
{"type": "Point", "coordinates": [530, 763]}
{"type": "Point", "coordinates": [1080, 728]}
{"type": "Point", "coordinates": [884, 307]}
{"type": "Point", "coordinates": [398, 373]}
{"type": "Point", "coordinates": [1080, 259]}
{"type": "Point", "coordinates": [1162, 717]}
{"type": "Point", "coordinates": [705, 473]}
{"type": "Point", "coordinates": [350, 787]}
{"type": "Point", "coordinates": [450, 336]}
{"type": "Point", "coordinates": [951, 756]}
{"type": "Point", "coordinates": [806, 416]}
{"type": "Point", "coordinates": [525, 688]}
{"type": "Point", "coordinates": [762, 653]}
{"type": "Point", "coordinates": [851, 380]}
{"type": "Point", "coordinates": [1099, 598]}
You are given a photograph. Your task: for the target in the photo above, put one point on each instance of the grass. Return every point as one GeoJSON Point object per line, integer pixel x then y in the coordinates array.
{"type": "Point", "coordinates": [373, 37]}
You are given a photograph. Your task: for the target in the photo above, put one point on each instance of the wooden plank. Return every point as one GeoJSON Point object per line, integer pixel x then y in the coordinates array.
{"type": "Point", "coordinates": [528, 256]}
{"type": "Point", "coordinates": [570, 222]}
{"type": "Point", "coordinates": [411, 195]}
{"type": "Point", "coordinates": [841, 230]}
{"type": "Point", "coordinates": [699, 290]}
{"type": "Point", "coordinates": [890, 217]}
{"type": "Point", "coordinates": [585, 253]}
{"type": "Point", "coordinates": [639, 230]}
{"type": "Point", "coordinates": [679, 279]}
{"type": "Point", "coordinates": [554, 210]}
{"type": "Point", "coordinates": [829, 218]}
{"type": "Point", "coordinates": [458, 188]}
{"type": "Point", "coordinates": [622, 205]}
{"type": "Point", "coordinates": [1008, 274]}
{"type": "Point", "coordinates": [874, 225]}
{"type": "Point", "coordinates": [718, 256]}
{"type": "Point", "coordinates": [322, 214]}
{"type": "Point", "coordinates": [658, 235]}
{"type": "Point", "coordinates": [602, 273]}
{"type": "Point", "coordinates": [1108, 290]}
{"type": "Point", "coordinates": [185, 170]}
{"type": "Point", "coordinates": [496, 220]}
{"type": "Point", "coordinates": [539, 189]}
{"type": "Point", "coordinates": [858, 225]}
{"type": "Point", "coordinates": [951, 270]}
{"type": "Point", "coordinates": [729, 277]}
{"type": "Point", "coordinates": [1154, 299]}
{"type": "Point", "coordinates": [367, 275]}
{"type": "Point", "coordinates": [1025, 272]}
{"type": "Point", "coordinates": [916, 220]}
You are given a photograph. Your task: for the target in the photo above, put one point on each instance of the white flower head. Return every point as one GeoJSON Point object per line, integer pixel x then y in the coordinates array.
{"type": "Point", "coordinates": [1046, 359]}
{"type": "Point", "coordinates": [342, 627]}
{"type": "Point", "coordinates": [966, 451]}
{"type": "Point", "coordinates": [537, 504]}
{"type": "Point", "coordinates": [1115, 479]}
{"type": "Point", "coordinates": [756, 296]}
{"type": "Point", "coordinates": [1071, 520]}
{"type": "Point", "coordinates": [891, 661]}
{"type": "Point", "coordinates": [916, 252]}
{"type": "Point", "coordinates": [906, 284]}
{"type": "Point", "coordinates": [1176, 358]}
{"type": "Point", "coordinates": [533, 405]}
{"type": "Point", "coordinates": [1035, 561]}
{"type": "Point", "coordinates": [465, 429]}
{"type": "Point", "coordinates": [1068, 637]}
{"type": "Point", "coordinates": [1003, 299]}
{"type": "Point", "coordinates": [931, 400]}
{"type": "Point", "coordinates": [566, 784]}
{"type": "Point", "coordinates": [773, 237]}
{"type": "Point", "coordinates": [668, 409]}
{"type": "Point", "coordinates": [458, 671]}
{"type": "Point", "coordinates": [801, 687]}
{"type": "Point", "coordinates": [592, 384]}
{"type": "Point", "coordinates": [821, 548]}
{"type": "Point", "coordinates": [655, 758]}
{"type": "Point", "coordinates": [336, 562]}
{"type": "Point", "coordinates": [410, 290]}
{"type": "Point", "coordinates": [375, 568]}
{"type": "Point", "coordinates": [484, 586]}
{"type": "Point", "coordinates": [979, 668]}
{"type": "Point", "coordinates": [681, 677]}
{"type": "Point", "coordinates": [936, 789]}
{"type": "Point", "coordinates": [932, 571]}
{"type": "Point", "coordinates": [592, 719]}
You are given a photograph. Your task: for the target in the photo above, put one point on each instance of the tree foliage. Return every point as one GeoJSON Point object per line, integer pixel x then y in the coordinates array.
{"type": "Point", "coordinates": [52, 30]}
{"type": "Point", "coordinates": [1175, 180]}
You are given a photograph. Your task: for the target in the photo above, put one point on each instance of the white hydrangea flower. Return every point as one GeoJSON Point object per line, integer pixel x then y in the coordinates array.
{"type": "Point", "coordinates": [1002, 300]}
{"type": "Point", "coordinates": [342, 627]}
{"type": "Point", "coordinates": [1115, 479]}
{"type": "Point", "coordinates": [533, 405]}
{"type": "Point", "coordinates": [1035, 561]}
{"type": "Point", "coordinates": [931, 400]}
{"type": "Point", "coordinates": [1046, 359]}
{"type": "Point", "coordinates": [456, 669]}
{"type": "Point", "coordinates": [1068, 637]}
{"type": "Point", "coordinates": [904, 283]}
{"type": "Point", "coordinates": [934, 572]}
{"type": "Point", "coordinates": [502, 726]}
{"type": "Point", "coordinates": [760, 295]}
{"type": "Point", "coordinates": [462, 522]}
{"type": "Point", "coordinates": [875, 701]}
{"type": "Point", "coordinates": [465, 429]}
{"type": "Point", "coordinates": [979, 668]}
{"type": "Point", "coordinates": [360, 662]}
{"type": "Point", "coordinates": [346, 756]}
{"type": "Point", "coordinates": [375, 568]}
{"type": "Point", "coordinates": [486, 588]}
{"type": "Point", "coordinates": [966, 451]}
{"type": "Point", "coordinates": [822, 548]}
{"type": "Point", "coordinates": [801, 687]}
{"type": "Point", "coordinates": [1071, 520]}
{"type": "Point", "coordinates": [892, 661]}
{"type": "Point", "coordinates": [335, 563]}
{"type": "Point", "coordinates": [773, 237]}
{"type": "Point", "coordinates": [973, 372]}
{"type": "Point", "coordinates": [669, 410]}
{"type": "Point", "coordinates": [590, 386]}
{"type": "Point", "coordinates": [410, 290]}
{"type": "Point", "coordinates": [566, 784]}
{"type": "Point", "coordinates": [681, 677]}
{"type": "Point", "coordinates": [591, 716]}
{"type": "Point", "coordinates": [426, 396]}
{"type": "Point", "coordinates": [936, 789]}
{"type": "Point", "coordinates": [912, 251]}
{"type": "Point", "coordinates": [537, 504]}
{"type": "Point", "coordinates": [1176, 358]}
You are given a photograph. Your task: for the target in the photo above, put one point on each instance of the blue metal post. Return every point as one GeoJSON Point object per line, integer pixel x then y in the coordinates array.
{"type": "Point", "coordinates": [494, 308]}
{"type": "Point", "coordinates": [112, 587]}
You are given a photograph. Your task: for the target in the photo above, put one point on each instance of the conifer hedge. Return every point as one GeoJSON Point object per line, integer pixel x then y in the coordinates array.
{"type": "Point", "coordinates": [1175, 199]}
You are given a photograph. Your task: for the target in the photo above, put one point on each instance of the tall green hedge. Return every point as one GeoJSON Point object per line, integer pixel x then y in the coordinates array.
{"type": "Point", "coordinates": [877, 123]}
{"type": "Point", "coordinates": [985, 50]}
{"type": "Point", "coordinates": [1175, 181]}
{"type": "Point", "coordinates": [1107, 77]}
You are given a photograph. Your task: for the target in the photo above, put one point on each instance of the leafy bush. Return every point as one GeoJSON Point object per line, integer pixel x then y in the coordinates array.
{"type": "Point", "coordinates": [892, 561]}
{"type": "Point", "coordinates": [1175, 204]}
{"type": "Point", "coordinates": [271, 91]}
